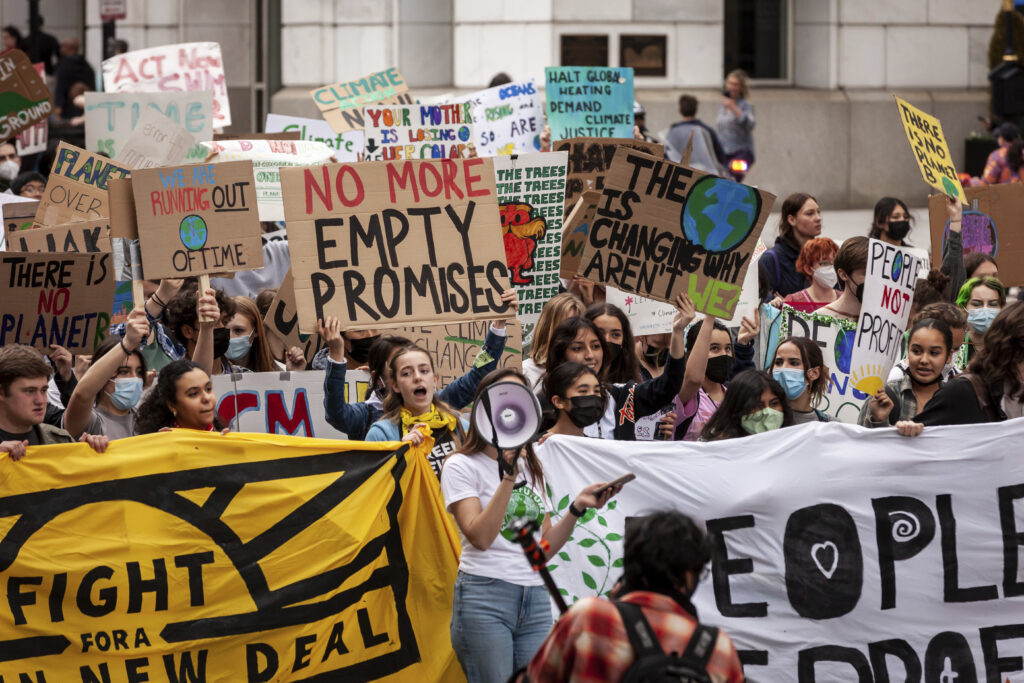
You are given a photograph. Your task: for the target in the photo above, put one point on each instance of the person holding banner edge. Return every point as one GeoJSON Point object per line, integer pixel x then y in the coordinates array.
{"type": "Point", "coordinates": [501, 612]}
{"type": "Point", "coordinates": [182, 398]}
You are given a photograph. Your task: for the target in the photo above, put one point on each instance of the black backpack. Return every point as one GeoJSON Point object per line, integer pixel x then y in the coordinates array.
{"type": "Point", "coordinates": [652, 665]}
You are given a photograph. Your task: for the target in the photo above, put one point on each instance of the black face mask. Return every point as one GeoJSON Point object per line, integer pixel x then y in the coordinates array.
{"type": "Point", "coordinates": [656, 357]}
{"type": "Point", "coordinates": [586, 410]}
{"type": "Point", "coordinates": [614, 351]}
{"type": "Point", "coordinates": [718, 368]}
{"type": "Point", "coordinates": [898, 229]}
{"type": "Point", "coordinates": [360, 351]}
{"type": "Point", "coordinates": [221, 341]}
{"type": "Point", "coordinates": [859, 292]}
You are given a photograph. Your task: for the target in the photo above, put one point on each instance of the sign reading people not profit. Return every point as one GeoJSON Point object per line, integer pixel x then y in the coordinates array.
{"type": "Point", "coordinates": [342, 104]}
{"type": "Point", "coordinates": [197, 219]}
{"type": "Point", "coordinates": [889, 282]}
{"type": "Point", "coordinates": [55, 299]}
{"type": "Point", "coordinates": [440, 131]}
{"type": "Point", "coordinates": [531, 191]}
{"type": "Point", "coordinates": [77, 187]}
{"type": "Point", "coordinates": [590, 159]}
{"type": "Point", "coordinates": [663, 229]}
{"type": "Point", "coordinates": [589, 101]}
{"type": "Point", "coordinates": [924, 133]}
{"type": "Point", "coordinates": [385, 244]}
{"type": "Point", "coordinates": [24, 98]}
{"type": "Point", "coordinates": [172, 68]}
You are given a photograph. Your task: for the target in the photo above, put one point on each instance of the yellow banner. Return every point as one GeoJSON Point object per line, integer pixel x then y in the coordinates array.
{"type": "Point", "coordinates": [192, 556]}
{"type": "Point", "coordinates": [924, 132]}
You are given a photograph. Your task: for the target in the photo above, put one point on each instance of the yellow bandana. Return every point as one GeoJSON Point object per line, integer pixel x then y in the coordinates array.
{"type": "Point", "coordinates": [434, 419]}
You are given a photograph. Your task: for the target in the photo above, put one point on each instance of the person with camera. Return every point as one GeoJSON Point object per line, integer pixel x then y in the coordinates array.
{"type": "Point", "coordinates": [599, 640]}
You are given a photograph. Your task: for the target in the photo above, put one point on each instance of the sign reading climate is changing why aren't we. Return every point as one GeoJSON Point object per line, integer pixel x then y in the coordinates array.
{"type": "Point", "coordinates": [24, 98]}
{"type": "Point", "coordinates": [417, 131]}
{"type": "Point", "coordinates": [589, 101]}
{"type": "Point", "coordinates": [186, 67]}
{"type": "Point", "coordinates": [112, 117]}
{"type": "Point", "coordinates": [204, 557]}
{"type": "Point", "coordinates": [77, 187]}
{"type": "Point", "coordinates": [384, 244]}
{"type": "Point", "coordinates": [662, 229]}
{"type": "Point", "coordinates": [531, 189]}
{"type": "Point", "coordinates": [62, 299]}
{"type": "Point", "coordinates": [197, 219]}
{"type": "Point", "coordinates": [889, 282]}
{"type": "Point", "coordinates": [341, 104]}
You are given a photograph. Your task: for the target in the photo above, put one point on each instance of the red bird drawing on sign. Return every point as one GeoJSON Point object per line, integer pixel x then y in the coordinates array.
{"type": "Point", "coordinates": [521, 234]}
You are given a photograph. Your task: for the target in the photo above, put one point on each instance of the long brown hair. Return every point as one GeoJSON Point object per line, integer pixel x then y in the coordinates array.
{"type": "Point", "coordinates": [811, 357]}
{"type": "Point", "coordinates": [626, 367]}
{"type": "Point", "coordinates": [392, 404]}
{"type": "Point", "coordinates": [475, 443]}
{"type": "Point", "coordinates": [560, 307]}
{"type": "Point", "coordinates": [1001, 356]}
{"type": "Point", "coordinates": [259, 358]}
{"type": "Point", "coordinates": [791, 207]}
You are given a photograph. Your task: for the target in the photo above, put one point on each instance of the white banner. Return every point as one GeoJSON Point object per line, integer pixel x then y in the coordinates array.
{"type": "Point", "coordinates": [347, 146]}
{"type": "Point", "coordinates": [110, 118]}
{"type": "Point", "coordinates": [185, 67]}
{"type": "Point", "coordinates": [889, 282]}
{"type": "Point", "coordinates": [281, 402]}
{"type": "Point", "coordinates": [839, 553]}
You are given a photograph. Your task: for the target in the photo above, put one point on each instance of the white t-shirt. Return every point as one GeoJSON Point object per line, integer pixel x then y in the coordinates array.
{"type": "Point", "coordinates": [476, 476]}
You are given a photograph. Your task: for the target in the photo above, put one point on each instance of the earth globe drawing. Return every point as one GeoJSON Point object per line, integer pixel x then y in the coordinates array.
{"type": "Point", "coordinates": [719, 214]}
{"type": "Point", "coordinates": [844, 349]}
{"type": "Point", "coordinates": [193, 232]}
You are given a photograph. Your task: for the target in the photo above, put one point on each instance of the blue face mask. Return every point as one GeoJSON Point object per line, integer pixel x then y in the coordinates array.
{"type": "Point", "coordinates": [127, 392]}
{"type": "Point", "coordinates": [980, 319]}
{"type": "Point", "coordinates": [793, 382]}
{"type": "Point", "coordinates": [238, 348]}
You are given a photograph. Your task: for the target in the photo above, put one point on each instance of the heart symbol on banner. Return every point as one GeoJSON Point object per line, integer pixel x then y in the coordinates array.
{"type": "Point", "coordinates": [829, 547]}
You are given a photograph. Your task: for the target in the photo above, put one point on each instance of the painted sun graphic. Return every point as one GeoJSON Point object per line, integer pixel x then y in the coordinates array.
{"type": "Point", "coordinates": [868, 379]}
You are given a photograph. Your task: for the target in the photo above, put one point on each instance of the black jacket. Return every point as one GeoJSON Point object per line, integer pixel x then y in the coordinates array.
{"type": "Point", "coordinates": [956, 403]}
{"type": "Point", "coordinates": [777, 267]}
{"type": "Point", "coordinates": [635, 400]}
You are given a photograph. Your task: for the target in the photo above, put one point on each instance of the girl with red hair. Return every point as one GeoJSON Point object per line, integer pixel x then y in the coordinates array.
{"type": "Point", "coordinates": [815, 261]}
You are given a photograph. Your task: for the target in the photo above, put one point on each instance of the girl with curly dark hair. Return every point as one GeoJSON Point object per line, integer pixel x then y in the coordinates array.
{"type": "Point", "coordinates": [182, 397]}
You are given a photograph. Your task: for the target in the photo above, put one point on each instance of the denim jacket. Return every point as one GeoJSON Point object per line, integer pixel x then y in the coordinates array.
{"type": "Point", "coordinates": [355, 418]}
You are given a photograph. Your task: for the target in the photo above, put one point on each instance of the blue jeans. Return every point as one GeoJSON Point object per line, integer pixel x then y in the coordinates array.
{"type": "Point", "coordinates": [497, 626]}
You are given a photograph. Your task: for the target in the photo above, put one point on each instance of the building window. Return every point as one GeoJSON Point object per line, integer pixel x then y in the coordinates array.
{"type": "Point", "coordinates": [584, 50]}
{"type": "Point", "coordinates": [756, 38]}
{"type": "Point", "coordinates": [646, 54]}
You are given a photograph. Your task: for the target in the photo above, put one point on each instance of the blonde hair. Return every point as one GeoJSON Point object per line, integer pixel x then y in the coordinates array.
{"type": "Point", "coordinates": [560, 307]}
{"type": "Point", "coordinates": [744, 79]}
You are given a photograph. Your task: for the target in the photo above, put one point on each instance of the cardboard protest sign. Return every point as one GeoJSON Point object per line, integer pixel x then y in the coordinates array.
{"type": "Point", "coordinates": [455, 347]}
{"type": "Point", "coordinates": [508, 118]}
{"type": "Point", "coordinates": [357, 559]}
{"type": "Point", "coordinates": [20, 214]}
{"type": "Point", "coordinates": [662, 229]}
{"type": "Point", "coordinates": [849, 555]}
{"type": "Point", "coordinates": [282, 320]}
{"type": "Point", "coordinates": [83, 237]}
{"type": "Point", "coordinates": [55, 299]}
{"type": "Point", "coordinates": [342, 104]}
{"type": "Point", "coordinates": [575, 231]}
{"type": "Point", "coordinates": [195, 220]}
{"type": "Point", "coordinates": [186, 67]}
{"type": "Point", "coordinates": [346, 146]}
{"type": "Point", "coordinates": [77, 187]}
{"type": "Point", "coordinates": [440, 131]}
{"type": "Point", "coordinates": [33, 139]}
{"type": "Point", "coordinates": [990, 225]}
{"type": "Point", "coordinates": [156, 141]}
{"type": "Point", "coordinates": [589, 101]}
{"type": "Point", "coordinates": [646, 316]}
{"type": "Point", "coordinates": [531, 191]}
{"type": "Point", "coordinates": [24, 98]}
{"type": "Point", "coordinates": [924, 133]}
{"type": "Point", "coordinates": [385, 244]}
{"type": "Point", "coordinates": [889, 282]}
{"type": "Point", "coordinates": [835, 337]}
{"type": "Point", "coordinates": [590, 159]}
{"type": "Point", "coordinates": [111, 118]}
{"type": "Point", "coordinates": [267, 157]}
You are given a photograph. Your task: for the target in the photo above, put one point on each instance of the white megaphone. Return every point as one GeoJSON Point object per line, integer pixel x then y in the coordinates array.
{"type": "Point", "coordinates": [507, 415]}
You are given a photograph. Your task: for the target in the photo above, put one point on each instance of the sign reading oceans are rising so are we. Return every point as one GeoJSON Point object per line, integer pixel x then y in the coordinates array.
{"type": "Point", "coordinates": [589, 101]}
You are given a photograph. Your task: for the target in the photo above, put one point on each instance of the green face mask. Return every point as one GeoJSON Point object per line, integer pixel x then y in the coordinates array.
{"type": "Point", "coordinates": [764, 420]}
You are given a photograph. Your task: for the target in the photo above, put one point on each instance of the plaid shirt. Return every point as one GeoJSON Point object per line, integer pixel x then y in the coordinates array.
{"type": "Point", "coordinates": [997, 169]}
{"type": "Point", "coordinates": [589, 643]}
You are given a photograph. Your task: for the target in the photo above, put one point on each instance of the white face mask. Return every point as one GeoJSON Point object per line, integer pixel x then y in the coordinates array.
{"type": "Point", "coordinates": [826, 276]}
{"type": "Point", "coordinates": [9, 170]}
